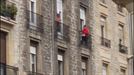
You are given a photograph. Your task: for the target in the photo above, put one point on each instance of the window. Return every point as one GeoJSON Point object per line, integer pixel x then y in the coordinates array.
{"type": "Point", "coordinates": [120, 8]}
{"type": "Point", "coordinates": [105, 69]}
{"type": "Point", "coordinates": [123, 72]}
{"type": "Point", "coordinates": [103, 26]}
{"type": "Point", "coordinates": [121, 34]}
{"type": "Point", "coordinates": [60, 58]}
{"type": "Point", "coordinates": [82, 17]}
{"type": "Point", "coordinates": [103, 1]}
{"type": "Point", "coordinates": [84, 66]}
{"type": "Point", "coordinates": [3, 40]}
{"type": "Point", "coordinates": [59, 15]}
{"type": "Point", "coordinates": [33, 56]}
{"type": "Point", "coordinates": [32, 12]}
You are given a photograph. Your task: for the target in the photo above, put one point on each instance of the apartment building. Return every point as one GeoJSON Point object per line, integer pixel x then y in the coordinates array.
{"type": "Point", "coordinates": [43, 37]}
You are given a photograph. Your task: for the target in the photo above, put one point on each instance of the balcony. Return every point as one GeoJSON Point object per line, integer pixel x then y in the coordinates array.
{"type": "Point", "coordinates": [35, 22]}
{"type": "Point", "coordinates": [8, 70]}
{"type": "Point", "coordinates": [61, 31]}
{"type": "Point", "coordinates": [105, 42]}
{"type": "Point", "coordinates": [8, 10]}
{"type": "Point", "coordinates": [123, 49]}
{"type": "Point", "coordinates": [33, 73]}
{"type": "Point", "coordinates": [84, 44]}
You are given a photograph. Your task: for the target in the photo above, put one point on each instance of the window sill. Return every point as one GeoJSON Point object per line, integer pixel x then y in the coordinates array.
{"type": "Point", "coordinates": [121, 13]}
{"type": "Point", "coordinates": [7, 20]}
{"type": "Point", "coordinates": [103, 4]}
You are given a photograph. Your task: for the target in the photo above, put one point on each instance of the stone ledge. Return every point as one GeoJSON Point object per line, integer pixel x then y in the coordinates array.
{"type": "Point", "coordinates": [7, 20]}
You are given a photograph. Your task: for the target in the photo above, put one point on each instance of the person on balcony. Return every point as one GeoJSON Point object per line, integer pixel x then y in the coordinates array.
{"type": "Point", "coordinates": [85, 35]}
{"type": "Point", "coordinates": [58, 22]}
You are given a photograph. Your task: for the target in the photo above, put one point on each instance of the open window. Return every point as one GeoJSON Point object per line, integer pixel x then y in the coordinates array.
{"type": "Point", "coordinates": [59, 16]}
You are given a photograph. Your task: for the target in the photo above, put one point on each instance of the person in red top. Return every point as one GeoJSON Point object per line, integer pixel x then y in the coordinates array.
{"type": "Point", "coordinates": [85, 34]}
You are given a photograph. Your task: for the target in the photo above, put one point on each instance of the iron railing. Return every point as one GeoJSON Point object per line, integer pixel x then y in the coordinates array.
{"type": "Point", "coordinates": [61, 31]}
{"type": "Point", "coordinates": [8, 9]}
{"type": "Point", "coordinates": [84, 44]}
{"type": "Point", "coordinates": [123, 49]}
{"type": "Point", "coordinates": [105, 42]}
{"type": "Point", "coordinates": [8, 70]}
{"type": "Point", "coordinates": [35, 22]}
{"type": "Point", "coordinates": [33, 73]}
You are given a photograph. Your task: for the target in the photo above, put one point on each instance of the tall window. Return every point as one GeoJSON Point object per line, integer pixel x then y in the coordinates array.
{"type": "Point", "coordinates": [121, 34]}
{"type": "Point", "coordinates": [105, 69]}
{"type": "Point", "coordinates": [103, 1]}
{"type": "Point", "coordinates": [82, 17]}
{"type": "Point", "coordinates": [33, 56]}
{"type": "Point", "coordinates": [32, 9]}
{"type": "Point", "coordinates": [2, 52]}
{"type": "Point", "coordinates": [60, 58]}
{"type": "Point", "coordinates": [123, 72]}
{"type": "Point", "coordinates": [84, 66]}
{"type": "Point", "coordinates": [59, 15]}
{"type": "Point", "coordinates": [103, 26]}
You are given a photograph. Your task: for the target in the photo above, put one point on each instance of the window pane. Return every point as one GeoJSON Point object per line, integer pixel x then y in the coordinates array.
{"type": "Point", "coordinates": [104, 69]}
{"type": "Point", "coordinates": [60, 58]}
{"type": "Point", "coordinates": [82, 16]}
{"type": "Point", "coordinates": [33, 49]}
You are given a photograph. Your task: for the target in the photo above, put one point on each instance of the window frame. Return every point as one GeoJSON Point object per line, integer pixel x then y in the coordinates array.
{"type": "Point", "coordinates": [58, 10]}
{"type": "Point", "coordinates": [84, 65]}
{"type": "Point", "coordinates": [103, 24]}
{"type": "Point", "coordinates": [33, 52]}
{"type": "Point", "coordinates": [121, 32]}
{"type": "Point", "coordinates": [61, 61]}
{"type": "Point", "coordinates": [83, 18]}
{"type": "Point", "coordinates": [106, 68]}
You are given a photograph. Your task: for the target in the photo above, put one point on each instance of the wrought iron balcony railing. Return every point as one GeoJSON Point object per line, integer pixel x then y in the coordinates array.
{"type": "Point", "coordinates": [61, 31]}
{"type": "Point", "coordinates": [8, 70]}
{"type": "Point", "coordinates": [123, 49]}
{"type": "Point", "coordinates": [33, 73]}
{"type": "Point", "coordinates": [8, 9]}
{"type": "Point", "coordinates": [105, 42]}
{"type": "Point", "coordinates": [87, 43]}
{"type": "Point", "coordinates": [35, 22]}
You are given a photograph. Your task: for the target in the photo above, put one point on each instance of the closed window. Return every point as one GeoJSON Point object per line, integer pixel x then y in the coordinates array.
{"type": "Point", "coordinates": [60, 58]}
{"type": "Point", "coordinates": [105, 69]}
{"type": "Point", "coordinates": [33, 56]}
{"type": "Point", "coordinates": [84, 66]}
{"type": "Point", "coordinates": [32, 12]}
{"type": "Point", "coordinates": [121, 34]}
{"type": "Point", "coordinates": [103, 23]}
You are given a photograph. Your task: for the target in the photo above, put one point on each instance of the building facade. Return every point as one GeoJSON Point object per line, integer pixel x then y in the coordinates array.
{"type": "Point", "coordinates": [44, 37]}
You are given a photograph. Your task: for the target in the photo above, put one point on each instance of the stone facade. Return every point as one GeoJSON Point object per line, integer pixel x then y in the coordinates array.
{"type": "Point", "coordinates": [49, 45]}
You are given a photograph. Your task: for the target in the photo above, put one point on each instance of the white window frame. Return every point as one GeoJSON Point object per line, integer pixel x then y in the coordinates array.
{"type": "Point", "coordinates": [60, 64]}
{"type": "Point", "coordinates": [33, 53]}
{"type": "Point", "coordinates": [103, 20]}
{"type": "Point", "coordinates": [32, 13]}
{"type": "Point", "coordinates": [104, 69]}
{"type": "Point", "coordinates": [83, 16]}
{"type": "Point", "coordinates": [84, 67]}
